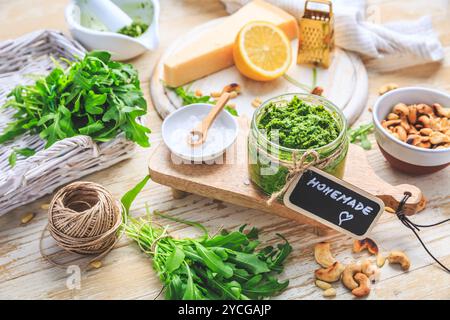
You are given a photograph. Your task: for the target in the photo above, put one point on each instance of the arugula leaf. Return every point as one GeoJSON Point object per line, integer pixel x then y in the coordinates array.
{"type": "Point", "coordinates": [361, 134]}
{"type": "Point", "coordinates": [12, 159]}
{"type": "Point", "coordinates": [25, 152]}
{"type": "Point", "coordinates": [213, 261]}
{"type": "Point", "coordinates": [94, 96]}
{"type": "Point", "coordinates": [207, 267]}
{"type": "Point", "coordinates": [130, 196]}
{"type": "Point", "coordinates": [248, 261]}
{"type": "Point", "coordinates": [175, 260]}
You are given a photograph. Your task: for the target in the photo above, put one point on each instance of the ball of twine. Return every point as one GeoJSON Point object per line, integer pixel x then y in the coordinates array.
{"type": "Point", "coordinates": [84, 218]}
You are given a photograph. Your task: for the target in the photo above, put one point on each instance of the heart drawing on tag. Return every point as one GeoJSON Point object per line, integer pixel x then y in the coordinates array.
{"type": "Point", "coordinates": [345, 216]}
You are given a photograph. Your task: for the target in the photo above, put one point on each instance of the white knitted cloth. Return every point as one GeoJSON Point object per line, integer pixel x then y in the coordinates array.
{"type": "Point", "coordinates": [385, 47]}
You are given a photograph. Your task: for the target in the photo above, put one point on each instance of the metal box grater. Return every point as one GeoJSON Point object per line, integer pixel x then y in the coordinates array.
{"type": "Point", "coordinates": [316, 39]}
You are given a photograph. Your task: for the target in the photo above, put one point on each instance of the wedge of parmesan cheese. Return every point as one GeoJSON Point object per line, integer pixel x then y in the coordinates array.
{"type": "Point", "coordinates": [213, 50]}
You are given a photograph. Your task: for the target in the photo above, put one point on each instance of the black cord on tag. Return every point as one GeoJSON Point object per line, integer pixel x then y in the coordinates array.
{"type": "Point", "coordinates": [414, 227]}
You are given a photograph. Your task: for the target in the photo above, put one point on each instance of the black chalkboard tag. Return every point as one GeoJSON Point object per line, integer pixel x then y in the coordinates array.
{"type": "Point", "coordinates": [334, 202]}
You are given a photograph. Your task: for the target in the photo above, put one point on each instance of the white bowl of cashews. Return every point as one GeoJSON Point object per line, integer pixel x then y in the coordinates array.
{"type": "Point", "coordinates": [404, 133]}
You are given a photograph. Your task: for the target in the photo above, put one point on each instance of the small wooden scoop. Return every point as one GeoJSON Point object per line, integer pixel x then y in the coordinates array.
{"type": "Point", "coordinates": [198, 135]}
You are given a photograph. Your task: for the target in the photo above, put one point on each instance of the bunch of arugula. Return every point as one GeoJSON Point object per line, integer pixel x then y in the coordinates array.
{"type": "Point", "coordinates": [94, 96]}
{"type": "Point", "coordinates": [360, 134]}
{"type": "Point", "coordinates": [189, 97]}
{"type": "Point", "coordinates": [223, 266]}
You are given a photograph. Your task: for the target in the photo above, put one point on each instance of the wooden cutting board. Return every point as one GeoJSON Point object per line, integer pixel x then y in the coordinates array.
{"type": "Point", "coordinates": [345, 83]}
{"type": "Point", "coordinates": [230, 182]}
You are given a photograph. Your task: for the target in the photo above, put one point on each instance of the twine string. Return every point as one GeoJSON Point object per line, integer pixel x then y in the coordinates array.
{"type": "Point", "coordinates": [415, 228]}
{"type": "Point", "coordinates": [300, 165]}
{"type": "Point", "coordinates": [83, 218]}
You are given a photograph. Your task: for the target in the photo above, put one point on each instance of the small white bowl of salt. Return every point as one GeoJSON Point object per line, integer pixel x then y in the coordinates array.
{"type": "Point", "coordinates": [177, 127]}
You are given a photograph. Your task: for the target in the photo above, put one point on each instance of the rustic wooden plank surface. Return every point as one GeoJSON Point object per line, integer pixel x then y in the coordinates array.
{"type": "Point", "coordinates": [127, 274]}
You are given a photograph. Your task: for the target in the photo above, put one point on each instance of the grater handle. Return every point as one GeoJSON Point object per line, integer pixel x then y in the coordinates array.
{"type": "Point", "coordinates": [326, 2]}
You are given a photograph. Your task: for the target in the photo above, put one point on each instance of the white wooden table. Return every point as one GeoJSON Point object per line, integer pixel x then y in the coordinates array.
{"type": "Point", "coordinates": [127, 274]}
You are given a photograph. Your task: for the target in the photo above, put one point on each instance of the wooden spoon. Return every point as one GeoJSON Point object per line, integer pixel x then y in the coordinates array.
{"type": "Point", "coordinates": [198, 135]}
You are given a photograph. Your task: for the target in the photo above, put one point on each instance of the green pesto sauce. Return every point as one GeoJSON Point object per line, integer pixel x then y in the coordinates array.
{"type": "Point", "coordinates": [298, 125]}
{"type": "Point", "coordinates": [134, 30]}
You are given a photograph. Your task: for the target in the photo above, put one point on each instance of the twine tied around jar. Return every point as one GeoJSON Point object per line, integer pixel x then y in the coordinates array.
{"type": "Point", "coordinates": [83, 218]}
{"type": "Point", "coordinates": [298, 167]}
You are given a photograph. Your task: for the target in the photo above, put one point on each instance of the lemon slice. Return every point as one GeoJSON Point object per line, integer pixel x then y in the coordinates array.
{"type": "Point", "coordinates": [262, 51]}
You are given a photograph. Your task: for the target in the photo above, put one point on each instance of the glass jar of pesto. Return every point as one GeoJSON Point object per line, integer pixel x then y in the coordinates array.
{"type": "Point", "coordinates": [289, 125]}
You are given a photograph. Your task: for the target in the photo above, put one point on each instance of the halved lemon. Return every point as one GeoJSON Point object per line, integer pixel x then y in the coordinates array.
{"type": "Point", "coordinates": [262, 51]}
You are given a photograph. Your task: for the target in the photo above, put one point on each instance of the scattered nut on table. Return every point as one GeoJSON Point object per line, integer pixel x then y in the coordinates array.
{"type": "Point", "coordinates": [232, 87]}
{"type": "Point", "coordinates": [367, 243]}
{"type": "Point", "coordinates": [331, 292]}
{"type": "Point", "coordinates": [322, 284]}
{"type": "Point", "coordinates": [386, 88]}
{"type": "Point", "coordinates": [96, 264]}
{"type": "Point", "coordinates": [45, 206]}
{"type": "Point", "coordinates": [399, 257]}
{"type": "Point", "coordinates": [256, 102]}
{"type": "Point", "coordinates": [331, 274]}
{"type": "Point", "coordinates": [381, 260]}
{"type": "Point", "coordinates": [27, 218]}
{"type": "Point", "coordinates": [322, 254]}
{"type": "Point", "coordinates": [348, 275]}
{"type": "Point", "coordinates": [363, 288]}
{"type": "Point", "coordinates": [420, 125]}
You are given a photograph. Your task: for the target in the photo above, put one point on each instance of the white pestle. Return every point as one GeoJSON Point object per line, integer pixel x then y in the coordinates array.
{"type": "Point", "coordinates": [109, 14]}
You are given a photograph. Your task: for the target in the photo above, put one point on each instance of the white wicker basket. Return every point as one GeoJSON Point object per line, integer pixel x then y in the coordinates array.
{"type": "Point", "coordinates": [65, 160]}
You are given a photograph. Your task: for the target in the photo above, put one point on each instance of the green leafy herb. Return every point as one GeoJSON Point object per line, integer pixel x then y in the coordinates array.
{"type": "Point", "coordinates": [298, 125]}
{"type": "Point", "coordinates": [94, 96]}
{"type": "Point", "coordinates": [12, 159]}
{"type": "Point", "coordinates": [136, 29]}
{"type": "Point", "coordinates": [360, 134]}
{"type": "Point", "coordinates": [223, 266]}
{"type": "Point", "coordinates": [188, 97]}
{"type": "Point", "coordinates": [25, 152]}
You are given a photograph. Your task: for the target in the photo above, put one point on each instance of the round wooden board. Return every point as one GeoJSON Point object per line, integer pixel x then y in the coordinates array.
{"type": "Point", "coordinates": [345, 83]}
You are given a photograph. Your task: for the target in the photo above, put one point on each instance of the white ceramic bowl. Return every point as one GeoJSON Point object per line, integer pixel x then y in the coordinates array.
{"type": "Point", "coordinates": [120, 46]}
{"type": "Point", "coordinates": [221, 135]}
{"type": "Point", "coordinates": [403, 156]}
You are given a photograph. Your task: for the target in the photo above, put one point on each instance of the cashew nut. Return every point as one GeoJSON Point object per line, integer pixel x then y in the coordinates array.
{"type": "Point", "coordinates": [414, 139]}
{"type": "Point", "coordinates": [367, 243]}
{"type": "Point", "coordinates": [364, 286]}
{"type": "Point", "coordinates": [401, 132]}
{"type": "Point", "coordinates": [423, 108]}
{"type": "Point", "coordinates": [330, 274]}
{"type": "Point", "coordinates": [426, 131]}
{"type": "Point", "coordinates": [322, 284]}
{"type": "Point", "coordinates": [437, 138]}
{"type": "Point", "coordinates": [387, 124]}
{"type": "Point", "coordinates": [412, 117]}
{"type": "Point", "coordinates": [331, 292]}
{"type": "Point", "coordinates": [322, 254]}
{"type": "Point", "coordinates": [232, 87]}
{"type": "Point", "coordinates": [399, 257]}
{"type": "Point", "coordinates": [393, 116]}
{"type": "Point", "coordinates": [401, 109]}
{"type": "Point", "coordinates": [425, 120]}
{"type": "Point", "coordinates": [441, 111]}
{"type": "Point", "coordinates": [420, 125]}
{"type": "Point", "coordinates": [348, 274]}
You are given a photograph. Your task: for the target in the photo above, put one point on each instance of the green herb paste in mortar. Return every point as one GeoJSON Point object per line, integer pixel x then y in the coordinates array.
{"type": "Point", "coordinates": [293, 125]}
